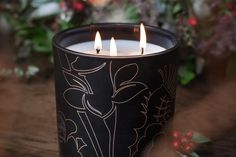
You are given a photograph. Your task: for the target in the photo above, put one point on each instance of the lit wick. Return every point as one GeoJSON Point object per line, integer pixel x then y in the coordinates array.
{"type": "Point", "coordinates": [143, 39]}
{"type": "Point", "coordinates": [98, 42]}
{"type": "Point", "coordinates": [113, 48]}
{"type": "Point", "coordinates": [142, 51]}
{"type": "Point", "coordinates": [97, 50]}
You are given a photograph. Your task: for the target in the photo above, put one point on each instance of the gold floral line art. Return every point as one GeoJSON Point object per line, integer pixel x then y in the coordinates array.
{"type": "Point", "coordinates": [163, 113]}
{"type": "Point", "coordinates": [99, 119]}
{"type": "Point", "coordinates": [126, 85]}
{"type": "Point", "coordinates": [65, 135]}
{"type": "Point", "coordinates": [165, 94]}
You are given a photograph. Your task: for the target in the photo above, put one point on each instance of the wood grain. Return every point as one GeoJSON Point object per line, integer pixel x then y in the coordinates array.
{"type": "Point", "coordinates": [28, 120]}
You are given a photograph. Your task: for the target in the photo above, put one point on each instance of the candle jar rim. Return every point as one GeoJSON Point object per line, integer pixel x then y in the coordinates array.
{"type": "Point", "coordinates": [58, 38]}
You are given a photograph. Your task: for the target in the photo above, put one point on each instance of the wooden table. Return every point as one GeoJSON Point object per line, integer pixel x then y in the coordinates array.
{"type": "Point", "coordinates": [28, 120]}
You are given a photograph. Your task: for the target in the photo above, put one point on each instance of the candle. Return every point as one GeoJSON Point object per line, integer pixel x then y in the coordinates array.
{"type": "Point", "coordinates": [124, 48]}
{"type": "Point", "coordinates": [113, 106]}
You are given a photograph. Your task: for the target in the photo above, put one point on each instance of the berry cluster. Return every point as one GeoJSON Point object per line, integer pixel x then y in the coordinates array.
{"type": "Point", "coordinates": [182, 142]}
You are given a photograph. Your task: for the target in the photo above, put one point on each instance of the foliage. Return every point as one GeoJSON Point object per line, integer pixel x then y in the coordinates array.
{"type": "Point", "coordinates": [206, 27]}
{"type": "Point", "coordinates": [27, 72]}
{"type": "Point", "coordinates": [34, 25]}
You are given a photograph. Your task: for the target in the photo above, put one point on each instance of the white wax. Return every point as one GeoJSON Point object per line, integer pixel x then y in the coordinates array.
{"type": "Point", "coordinates": [124, 48]}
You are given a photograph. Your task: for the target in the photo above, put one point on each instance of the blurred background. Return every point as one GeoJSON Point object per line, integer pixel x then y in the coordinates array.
{"type": "Point", "coordinates": [206, 77]}
{"type": "Point", "coordinates": [206, 27]}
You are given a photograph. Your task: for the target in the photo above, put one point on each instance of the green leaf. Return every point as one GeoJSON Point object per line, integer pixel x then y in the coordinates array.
{"type": "Point", "coordinates": [199, 138]}
{"type": "Point", "coordinates": [132, 12]}
{"type": "Point", "coordinates": [40, 45]}
{"type": "Point", "coordinates": [41, 40]}
{"type": "Point", "coordinates": [65, 25]}
{"type": "Point", "coordinates": [181, 154]}
{"type": "Point", "coordinates": [177, 8]}
{"type": "Point", "coordinates": [185, 75]}
{"type": "Point", "coordinates": [22, 33]}
{"type": "Point", "coordinates": [194, 154]}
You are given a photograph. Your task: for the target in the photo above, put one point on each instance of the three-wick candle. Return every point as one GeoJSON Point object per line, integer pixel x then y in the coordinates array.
{"type": "Point", "coordinates": [122, 47]}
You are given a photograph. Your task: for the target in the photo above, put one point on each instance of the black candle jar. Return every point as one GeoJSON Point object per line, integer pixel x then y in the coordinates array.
{"type": "Point", "coordinates": [113, 106]}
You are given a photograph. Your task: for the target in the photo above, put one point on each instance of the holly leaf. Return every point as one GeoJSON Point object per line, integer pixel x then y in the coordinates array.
{"type": "Point", "coordinates": [41, 40]}
{"type": "Point", "coordinates": [177, 8]}
{"type": "Point", "coordinates": [185, 75]}
{"type": "Point", "coordinates": [132, 12]}
{"type": "Point", "coordinates": [199, 138]}
{"type": "Point", "coordinates": [194, 154]}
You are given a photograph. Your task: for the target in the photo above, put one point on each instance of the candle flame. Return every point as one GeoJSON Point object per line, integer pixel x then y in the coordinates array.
{"type": "Point", "coordinates": [98, 42]}
{"type": "Point", "coordinates": [143, 38]}
{"type": "Point", "coordinates": [113, 48]}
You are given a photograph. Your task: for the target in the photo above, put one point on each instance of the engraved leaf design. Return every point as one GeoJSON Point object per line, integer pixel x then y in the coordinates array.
{"type": "Point", "coordinates": [124, 87]}
{"type": "Point", "coordinates": [68, 133]}
{"type": "Point", "coordinates": [125, 74]}
{"type": "Point", "coordinates": [71, 128]}
{"type": "Point", "coordinates": [128, 92]}
{"type": "Point", "coordinates": [76, 64]}
{"type": "Point", "coordinates": [101, 110]}
{"type": "Point", "coordinates": [64, 62]}
{"type": "Point", "coordinates": [77, 82]}
{"type": "Point", "coordinates": [73, 96]}
{"type": "Point", "coordinates": [67, 128]}
{"type": "Point", "coordinates": [80, 144]}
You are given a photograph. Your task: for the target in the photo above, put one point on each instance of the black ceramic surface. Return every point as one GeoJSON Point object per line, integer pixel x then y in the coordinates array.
{"type": "Point", "coordinates": [113, 106]}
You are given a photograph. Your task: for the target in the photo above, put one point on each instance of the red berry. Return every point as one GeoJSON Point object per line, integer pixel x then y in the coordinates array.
{"type": "Point", "coordinates": [78, 6]}
{"type": "Point", "coordinates": [188, 147]}
{"type": "Point", "coordinates": [189, 134]}
{"type": "Point", "coordinates": [184, 140]}
{"type": "Point", "coordinates": [192, 21]}
{"type": "Point", "coordinates": [176, 144]}
{"type": "Point", "coordinates": [176, 134]}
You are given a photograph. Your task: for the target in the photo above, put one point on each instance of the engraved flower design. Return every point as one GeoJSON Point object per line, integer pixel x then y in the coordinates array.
{"type": "Point", "coordinates": [67, 132]}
